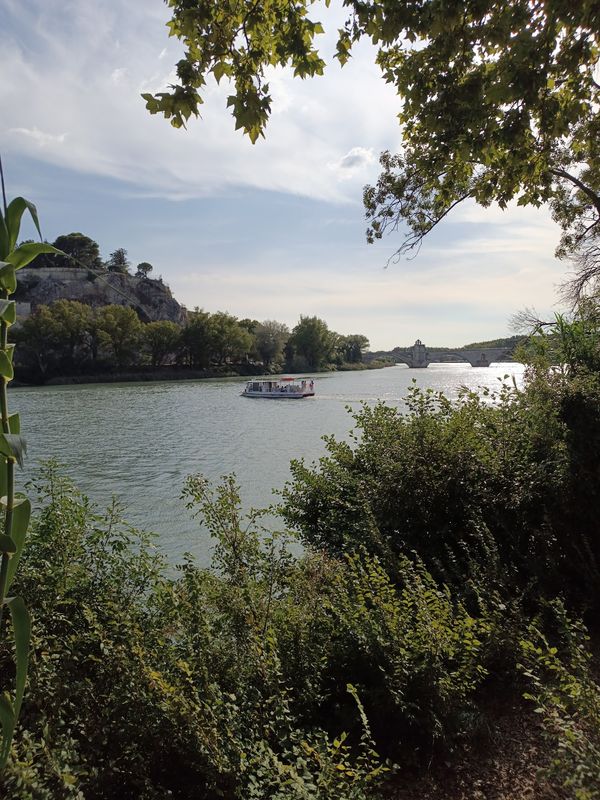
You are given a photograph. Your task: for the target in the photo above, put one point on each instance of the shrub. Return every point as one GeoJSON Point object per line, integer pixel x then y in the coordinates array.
{"type": "Point", "coordinates": [147, 686]}
{"type": "Point", "coordinates": [503, 488]}
{"type": "Point", "coordinates": [567, 698]}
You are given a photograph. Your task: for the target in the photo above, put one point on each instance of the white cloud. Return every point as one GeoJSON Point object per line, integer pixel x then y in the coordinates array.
{"type": "Point", "coordinates": [90, 72]}
{"type": "Point", "coordinates": [353, 163]}
{"type": "Point", "coordinates": [41, 138]}
{"type": "Point", "coordinates": [118, 74]}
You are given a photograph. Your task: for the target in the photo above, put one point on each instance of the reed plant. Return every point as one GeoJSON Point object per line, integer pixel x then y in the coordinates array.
{"type": "Point", "coordinates": [15, 507]}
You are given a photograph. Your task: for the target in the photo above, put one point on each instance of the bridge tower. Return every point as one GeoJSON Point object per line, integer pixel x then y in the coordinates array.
{"type": "Point", "coordinates": [419, 354]}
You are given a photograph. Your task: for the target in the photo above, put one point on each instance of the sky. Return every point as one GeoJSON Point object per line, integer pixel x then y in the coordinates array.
{"type": "Point", "coordinates": [267, 231]}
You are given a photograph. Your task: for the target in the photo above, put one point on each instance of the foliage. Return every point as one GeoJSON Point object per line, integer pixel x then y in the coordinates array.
{"type": "Point", "coordinates": [506, 484]}
{"type": "Point", "coordinates": [571, 344]}
{"type": "Point", "coordinates": [143, 269]}
{"type": "Point", "coordinates": [147, 686]}
{"type": "Point", "coordinates": [229, 341]}
{"type": "Point", "coordinates": [511, 342]}
{"type": "Point", "coordinates": [567, 698]}
{"type": "Point", "coordinates": [310, 345]}
{"type": "Point", "coordinates": [71, 338]}
{"type": "Point", "coordinates": [271, 338]}
{"type": "Point", "coordinates": [118, 261]}
{"type": "Point", "coordinates": [162, 340]}
{"type": "Point", "coordinates": [77, 250]}
{"type": "Point", "coordinates": [57, 338]}
{"type": "Point", "coordinates": [195, 339]}
{"type": "Point", "coordinates": [16, 507]}
{"type": "Point", "coordinates": [350, 349]}
{"type": "Point", "coordinates": [237, 41]}
{"type": "Point", "coordinates": [120, 331]}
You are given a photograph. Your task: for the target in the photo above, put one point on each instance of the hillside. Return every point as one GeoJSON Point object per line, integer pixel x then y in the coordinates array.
{"type": "Point", "coordinates": [151, 299]}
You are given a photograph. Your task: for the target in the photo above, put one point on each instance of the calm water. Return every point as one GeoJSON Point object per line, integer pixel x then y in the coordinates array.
{"type": "Point", "coordinates": [140, 441]}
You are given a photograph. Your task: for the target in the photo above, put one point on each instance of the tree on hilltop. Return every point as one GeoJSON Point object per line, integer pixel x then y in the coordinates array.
{"type": "Point", "coordinates": [118, 261]}
{"type": "Point", "coordinates": [80, 251]}
{"type": "Point", "coordinates": [500, 102]}
{"type": "Point", "coordinates": [143, 269]}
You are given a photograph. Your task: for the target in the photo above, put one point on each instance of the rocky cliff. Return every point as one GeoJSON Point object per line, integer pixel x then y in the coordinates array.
{"type": "Point", "coordinates": [152, 299]}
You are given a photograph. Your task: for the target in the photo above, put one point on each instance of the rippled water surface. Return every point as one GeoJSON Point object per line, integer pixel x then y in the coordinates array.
{"type": "Point", "coordinates": [139, 441]}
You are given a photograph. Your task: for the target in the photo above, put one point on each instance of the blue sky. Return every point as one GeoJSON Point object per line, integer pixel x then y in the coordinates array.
{"type": "Point", "coordinates": [268, 231]}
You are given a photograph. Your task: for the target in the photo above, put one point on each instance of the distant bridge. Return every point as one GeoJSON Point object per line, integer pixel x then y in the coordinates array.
{"type": "Point", "coordinates": [418, 356]}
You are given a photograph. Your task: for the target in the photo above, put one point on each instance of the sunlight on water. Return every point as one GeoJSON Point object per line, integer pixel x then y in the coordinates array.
{"type": "Point", "coordinates": [140, 441]}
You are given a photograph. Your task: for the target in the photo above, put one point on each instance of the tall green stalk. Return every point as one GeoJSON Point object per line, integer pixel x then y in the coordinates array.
{"type": "Point", "coordinates": [14, 518]}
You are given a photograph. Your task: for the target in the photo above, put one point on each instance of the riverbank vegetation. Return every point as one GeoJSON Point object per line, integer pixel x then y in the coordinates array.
{"type": "Point", "coordinates": [437, 614]}
{"type": "Point", "coordinates": [68, 338]}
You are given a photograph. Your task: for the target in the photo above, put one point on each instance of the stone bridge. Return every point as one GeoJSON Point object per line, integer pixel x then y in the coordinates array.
{"type": "Point", "coordinates": [418, 356]}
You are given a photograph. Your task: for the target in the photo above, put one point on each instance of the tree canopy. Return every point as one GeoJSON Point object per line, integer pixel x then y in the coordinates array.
{"type": "Point", "coordinates": [143, 269]}
{"type": "Point", "coordinates": [118, 261]}
{"type": "Point", "coordinates": [499, 100]}
{"type": "Point", "coordinates": [77, 250]}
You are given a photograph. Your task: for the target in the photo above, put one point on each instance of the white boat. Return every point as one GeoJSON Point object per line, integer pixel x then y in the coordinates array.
{"type": "Point", "coordinates": [281, 389]}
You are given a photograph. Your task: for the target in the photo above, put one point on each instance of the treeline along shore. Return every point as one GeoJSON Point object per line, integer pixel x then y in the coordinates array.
{"type": "Point", "coordinates": [68, 341]}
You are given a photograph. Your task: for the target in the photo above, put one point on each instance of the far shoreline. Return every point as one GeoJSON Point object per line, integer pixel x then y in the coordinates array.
{"type": "Point", "coordinates": [178, 374]}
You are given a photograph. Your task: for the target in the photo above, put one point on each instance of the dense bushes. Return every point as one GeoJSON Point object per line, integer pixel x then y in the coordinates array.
{"type": "Point", "coordinates": [148, 686]}
{"type": "Point", "coordinates": [506, 485]}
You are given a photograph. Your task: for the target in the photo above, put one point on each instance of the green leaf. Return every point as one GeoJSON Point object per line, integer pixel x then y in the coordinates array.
{"type": "Point", "coordinates": [22, 631]}
{"type": "Point", "coordinates": [6, 367]}
{"type": "Point", "coordinates": [8, 722]}
{"type": "Point", "coordinates": [8, 311]}
{"type": "Point", "coordinates": [8, 278]}
{"type": "Point", "coordinates": [7, 545]}
{"type": "Point", "coordinates": [9, 711]}
{"type": "Point", "coordinates": [20, 524]}
{"type": "Point", "coordinates": [25, 253]}
{"type": "Point", "coordinates": [3, 477]}
{"type": "Point", "coordinates": [13, 446]}
{"type": "Point", "coordinates": [14, 212]}
{"type": "Point", "coordinates": [4, 248]}
{"type": "Point", "coordinates": [14, 426]}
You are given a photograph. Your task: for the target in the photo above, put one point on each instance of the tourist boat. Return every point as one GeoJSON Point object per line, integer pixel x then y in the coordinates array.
{"type": "Point", "coordinates": [281, 388]}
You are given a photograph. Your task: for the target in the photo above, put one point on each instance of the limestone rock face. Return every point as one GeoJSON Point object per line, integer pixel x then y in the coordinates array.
{"type": "Point", "coordinates": [152, 299]}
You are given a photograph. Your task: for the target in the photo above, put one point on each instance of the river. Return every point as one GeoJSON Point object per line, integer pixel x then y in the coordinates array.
{"type": "Point", "coordinates": [139, 441]}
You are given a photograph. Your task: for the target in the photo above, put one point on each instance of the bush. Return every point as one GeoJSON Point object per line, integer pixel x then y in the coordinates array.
{"type": "Point", "coordinates": [147, 686]}
{"type": "Point", "coordinates": [501, 490]}
{"type": "Point", "coordinates": [567, 698]}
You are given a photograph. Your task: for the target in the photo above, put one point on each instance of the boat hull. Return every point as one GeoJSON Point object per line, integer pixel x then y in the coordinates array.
{"type": "Point", "coordinates": [279, 395]}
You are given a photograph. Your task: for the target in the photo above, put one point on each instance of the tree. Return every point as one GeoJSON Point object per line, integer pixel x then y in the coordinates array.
{"type": "Point", "coordinates": [68, 327]}
{"type": "Point", "coordinates": [271, 338]}
{"type": "Point", "coordinates": [230, 342]}
{"type": "Point", "coordinates": [78, 250]}
{"type": "Point", "coordinates": [161, 340]}
{"type": "Point", "coordinates": [121, 333]}
{"type": "Point", "coordinates": [499, 100]}
{"type": "Point", "coordinates": [143, 269]}
{"type": "Point", "coordinates": [36, 350]}
{"type": "Point", "coordinates": [196, 339]}
{"type": "Point", "coordinates": [118, 261]}
{"type": "Point", "coordinates": [313, 342]}
{"type": "Point", "coordinates": [352, 347]}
